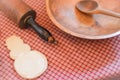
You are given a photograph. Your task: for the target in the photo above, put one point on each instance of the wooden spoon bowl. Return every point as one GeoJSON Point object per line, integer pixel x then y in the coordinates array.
{"type": "Point", "coordinates": [68, 18]}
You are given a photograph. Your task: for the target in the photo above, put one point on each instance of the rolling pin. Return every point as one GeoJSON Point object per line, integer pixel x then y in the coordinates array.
{"type": "Point", "coordinates": [22, 14]}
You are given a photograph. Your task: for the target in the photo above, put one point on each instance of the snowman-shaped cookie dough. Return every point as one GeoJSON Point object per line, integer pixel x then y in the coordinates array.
{"type": "Point", "coordinates": [28, 63]}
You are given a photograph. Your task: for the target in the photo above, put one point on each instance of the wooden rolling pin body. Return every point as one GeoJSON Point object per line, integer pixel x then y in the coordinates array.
{"type": "Point", "coordinates": [17, 11]}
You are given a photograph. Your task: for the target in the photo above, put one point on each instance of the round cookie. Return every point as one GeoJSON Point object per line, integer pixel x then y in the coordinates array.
{"type": "Point", "coordinates": [30, 65]}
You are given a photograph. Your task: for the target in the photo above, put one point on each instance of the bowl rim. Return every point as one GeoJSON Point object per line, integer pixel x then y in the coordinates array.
{"type": "Point", "coordinates": [73, 33]}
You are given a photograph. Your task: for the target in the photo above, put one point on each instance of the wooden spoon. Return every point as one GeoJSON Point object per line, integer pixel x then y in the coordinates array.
{"type": "Point", "coordinates": [92, 7]}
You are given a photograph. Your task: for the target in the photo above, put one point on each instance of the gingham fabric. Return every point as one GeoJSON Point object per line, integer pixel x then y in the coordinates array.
{"type": "Point", "coordinates": [71, 59]}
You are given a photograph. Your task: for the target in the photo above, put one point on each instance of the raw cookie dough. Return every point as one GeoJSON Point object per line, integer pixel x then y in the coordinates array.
{"type": "Point", "coordinates": [31, 65]}
{"type": "Point", "coordinates": [16, 46]}
{"type": "Point", "coordinates": [28, 64]}
{"type": "Point", "coordinates": [21, 49]}
{"type": "Point", "coordinates": [14, 42]}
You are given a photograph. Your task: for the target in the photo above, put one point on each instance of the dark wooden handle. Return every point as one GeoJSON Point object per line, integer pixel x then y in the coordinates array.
{"type": "Point", "coordinates": [17, 11]}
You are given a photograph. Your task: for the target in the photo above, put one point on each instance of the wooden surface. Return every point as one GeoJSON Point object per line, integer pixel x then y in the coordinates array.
{"type": "Point", "coordinates": [92, 7]}
{"type": "Point", "coordinates": [16, 10]}
{"type": "Point", "coordinates": [64, 14]}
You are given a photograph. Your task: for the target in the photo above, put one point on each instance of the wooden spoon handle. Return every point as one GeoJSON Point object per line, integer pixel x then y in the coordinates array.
{"type": "Point", "coordinates": [17, 11]}
{"type": "Point", "coordinates": [109, 12]}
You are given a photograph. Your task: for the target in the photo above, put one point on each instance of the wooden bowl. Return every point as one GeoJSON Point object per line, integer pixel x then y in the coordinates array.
{"type": "Point", "coordinates": [68, 18]}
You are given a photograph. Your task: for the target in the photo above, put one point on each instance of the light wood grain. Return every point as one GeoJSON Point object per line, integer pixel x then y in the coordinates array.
{"type": "Point", "coordinates": [16, 10]}
{"type": "Point", "coordinates": [69, 19]}
{"type": "Point", "coordinates": [92, 7]}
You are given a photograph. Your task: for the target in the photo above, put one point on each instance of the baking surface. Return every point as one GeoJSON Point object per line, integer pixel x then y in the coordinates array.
{"type": "Point", "coordinates": [72, 59]}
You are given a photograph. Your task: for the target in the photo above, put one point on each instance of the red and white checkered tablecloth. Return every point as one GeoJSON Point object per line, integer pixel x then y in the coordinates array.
{"type": "Point", "coordinates": [72, 59]}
